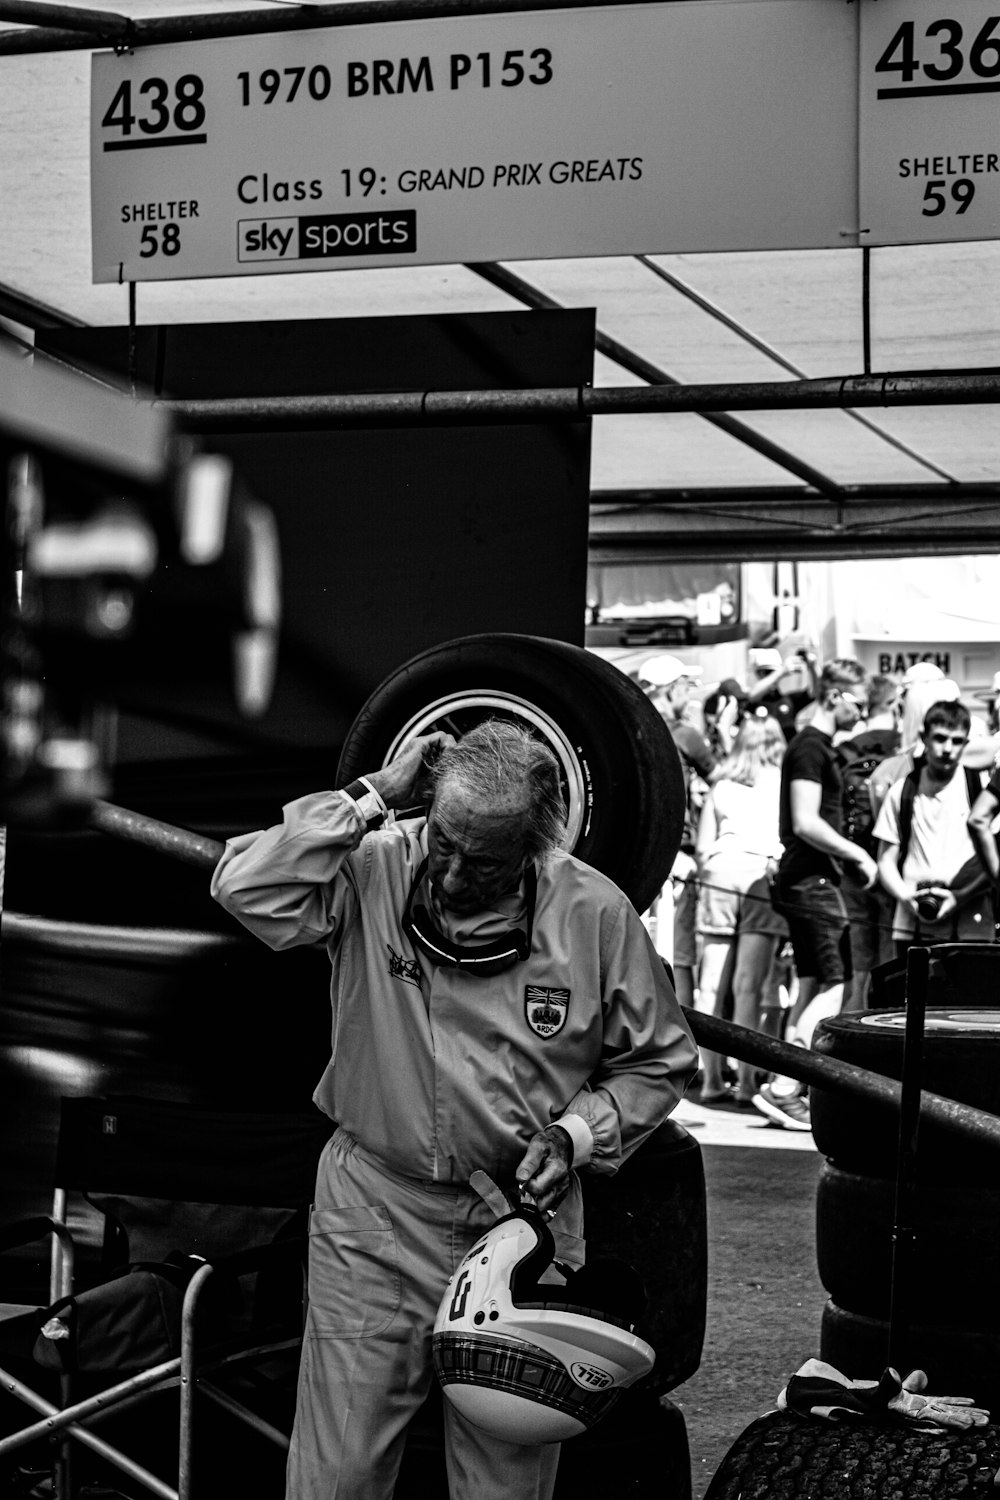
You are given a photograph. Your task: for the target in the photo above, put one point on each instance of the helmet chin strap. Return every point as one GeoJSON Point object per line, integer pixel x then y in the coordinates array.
{"type": "Point", "coordinates": [494, 1198]}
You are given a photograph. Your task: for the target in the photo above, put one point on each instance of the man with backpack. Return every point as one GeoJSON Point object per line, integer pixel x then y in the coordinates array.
{"type": "Point", "coordinates": [927, 861]}
{"type": "Point", "coordinates": [869, 908]}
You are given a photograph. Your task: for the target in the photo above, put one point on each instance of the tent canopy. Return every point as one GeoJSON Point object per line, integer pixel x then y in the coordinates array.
{"type": "Point", "coordinates": [820, 482]}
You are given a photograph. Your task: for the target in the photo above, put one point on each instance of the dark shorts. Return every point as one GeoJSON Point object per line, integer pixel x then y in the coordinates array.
{"type": "Point", "coordinates": [685, 908]}
{"type": "Point", "coordinates": [819, 928]}
{"type": "Point", "coordinates": [734, 901]}
{"type": "Point", "coordinates": [870, 914]}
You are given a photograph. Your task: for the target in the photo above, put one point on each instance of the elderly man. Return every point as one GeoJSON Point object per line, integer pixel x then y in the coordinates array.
{"type": "Point", "coordinates": [496, 1005]}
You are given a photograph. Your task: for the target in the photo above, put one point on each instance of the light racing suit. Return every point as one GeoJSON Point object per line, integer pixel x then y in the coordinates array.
{"type": "Point", "coordinates": [435, 1072]}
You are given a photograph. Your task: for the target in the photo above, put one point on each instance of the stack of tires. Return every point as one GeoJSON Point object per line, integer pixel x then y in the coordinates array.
{"type": "Point", "coordinates": [951, 1307]}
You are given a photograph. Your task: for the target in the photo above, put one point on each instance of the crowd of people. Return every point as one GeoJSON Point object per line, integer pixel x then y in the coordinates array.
{"type": "Point", "coordinates": [834, 819]}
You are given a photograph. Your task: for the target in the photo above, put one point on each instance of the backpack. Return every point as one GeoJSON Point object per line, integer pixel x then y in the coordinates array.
{"type": "Point", "coordinates": [857, 817]}
{"type": "Point", "coordinates": [973, 786]}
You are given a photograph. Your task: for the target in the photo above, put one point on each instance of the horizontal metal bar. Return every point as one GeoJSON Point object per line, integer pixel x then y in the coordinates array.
{"type": "Point", "coordinates": [945, 520]}
{"type": "Point", "coordinates": [919, 388]}
{"type": "Point", "coordinates": [629, 359]}
{"type": "Point", "coordinates": [973, 1125]}
{"type": "Point", "coordinates": [792, 496]}
{"type": "Point", "coordinates": [41, 13]}
{"type": "Point", "coordinates": [577, 403]}
{"type": "Point", "coordinates": [163, 838]}
{"type": "Point", "coordinates": [151, 31]}
{"type": "Point", "coordinates": [19, 307]}
{"type": "Point", "coordinates": [709, 1031]}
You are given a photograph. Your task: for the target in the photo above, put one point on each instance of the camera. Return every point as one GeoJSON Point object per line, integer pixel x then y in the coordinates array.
{"type": "Point", "coordinates": [928, 900]}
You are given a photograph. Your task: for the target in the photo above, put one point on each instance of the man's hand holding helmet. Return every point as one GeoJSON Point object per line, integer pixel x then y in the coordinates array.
{"type": "Point", "coordinates": [544, 1170]}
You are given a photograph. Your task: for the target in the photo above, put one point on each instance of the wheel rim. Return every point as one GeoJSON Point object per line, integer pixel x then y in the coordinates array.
{"type": "Point", "coordinates": [457, 713]}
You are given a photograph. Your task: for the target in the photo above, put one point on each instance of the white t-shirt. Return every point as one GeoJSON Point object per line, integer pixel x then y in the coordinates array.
{"type": "Point", "coordinates": [939, 845]}
{"type": "Point", "coordinates": [746, 818]}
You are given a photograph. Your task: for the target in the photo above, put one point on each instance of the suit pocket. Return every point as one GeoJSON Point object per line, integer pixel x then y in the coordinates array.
{"type": "Point", "coordinates": [354, 1288]}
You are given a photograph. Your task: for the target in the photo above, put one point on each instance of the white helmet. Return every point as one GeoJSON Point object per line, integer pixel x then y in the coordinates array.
{"type": "Point", "coordinates": [530, 1363]}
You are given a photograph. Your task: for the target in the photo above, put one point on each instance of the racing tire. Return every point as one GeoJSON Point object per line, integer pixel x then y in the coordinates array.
{"type": "Point", "coordinates": [652, 1214]}
{"type": "Point", "coordinates": [954, 1250]}
{"type": "Point", "coordinates": [621, 772]}
{"type": "Point", "coordinates": [782, 1456]}
{"type": "Point", "coordinates": [961, 1060]}
{"type": "Point", "coordinates": [958, 1361]}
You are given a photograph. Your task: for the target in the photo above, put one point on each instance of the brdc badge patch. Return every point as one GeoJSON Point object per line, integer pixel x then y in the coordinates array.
{"type": "Point", "coordinates": [545, 1008]}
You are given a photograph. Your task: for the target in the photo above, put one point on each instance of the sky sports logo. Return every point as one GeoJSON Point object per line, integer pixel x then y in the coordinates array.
{"type": "Point", "coordinates": [323, 236]}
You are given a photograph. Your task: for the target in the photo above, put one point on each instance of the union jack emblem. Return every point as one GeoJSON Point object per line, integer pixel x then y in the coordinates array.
{"type": "Point", "coordinates": [545, 1009]}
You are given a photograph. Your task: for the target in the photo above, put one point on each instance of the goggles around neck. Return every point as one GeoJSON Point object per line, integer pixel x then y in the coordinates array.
{"type": "Point", "coordinates": [485, 959]}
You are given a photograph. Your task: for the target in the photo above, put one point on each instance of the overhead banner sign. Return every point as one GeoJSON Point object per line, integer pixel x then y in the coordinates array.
{"type": "Point", "coordinates": [601, 131]}
{"type": "Point", "coordinates": [930, 121]}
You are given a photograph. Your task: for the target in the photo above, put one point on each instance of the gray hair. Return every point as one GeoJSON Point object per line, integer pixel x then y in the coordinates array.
{"type": "Point", "coordinates": [498, 763]}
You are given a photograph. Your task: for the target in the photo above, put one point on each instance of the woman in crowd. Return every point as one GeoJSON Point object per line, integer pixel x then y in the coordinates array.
{"type": "Point", "coordinates": [736, 847]}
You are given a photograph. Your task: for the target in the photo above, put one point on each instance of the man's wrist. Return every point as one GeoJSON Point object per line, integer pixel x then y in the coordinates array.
{"type": "Point", "coordinates": [367, 802]}
{"type": "Point", "coordinates": [581, 1137]}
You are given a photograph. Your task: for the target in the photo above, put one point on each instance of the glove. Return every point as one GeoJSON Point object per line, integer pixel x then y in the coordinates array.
{"type": "Point", "coordinates": [942, 1411]}
{"type": "Point", "coordinates": [819, 1390]}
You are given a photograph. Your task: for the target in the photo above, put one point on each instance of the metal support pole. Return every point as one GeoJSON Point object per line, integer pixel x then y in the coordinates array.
{"type": "Point", "coordinates": [150, 31]}
{"type": "Point", "coordinates": [162, 838]}
{"type": "Point", "coordinates": [99, 23]}
{"type": "Point", "coordinates": [578, 403]}
{"type": "Point", "coordinates": [974, 1125]}
{"type": "Point", "coordinates": [901, 1288]}
{"type": "Point", "coordinates": [866, 307]}
{"type": "Point", "coordinates": [188, 1379]}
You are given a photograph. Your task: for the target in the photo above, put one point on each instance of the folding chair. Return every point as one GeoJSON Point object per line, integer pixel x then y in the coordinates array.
{"type": "Point", "coordinates": [225, 1197]}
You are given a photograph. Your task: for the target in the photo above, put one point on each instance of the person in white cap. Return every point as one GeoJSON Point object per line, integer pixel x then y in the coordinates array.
{"type": "Point", "coordinates": [770, 669]}
{"type": "Point", "coordinates": [922, 671]}
{"type": "Point", "coordinates": [668, 681]}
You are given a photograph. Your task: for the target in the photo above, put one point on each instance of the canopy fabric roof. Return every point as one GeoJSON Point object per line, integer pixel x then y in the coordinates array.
{"type": "Point", "coordinates": [753, 316]}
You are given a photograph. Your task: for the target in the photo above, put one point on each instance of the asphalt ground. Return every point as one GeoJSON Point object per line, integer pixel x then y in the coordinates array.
{"type": "Point", "coordinates": [765, 1300]}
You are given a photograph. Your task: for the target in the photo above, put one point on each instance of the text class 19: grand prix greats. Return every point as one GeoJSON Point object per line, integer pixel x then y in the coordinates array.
{"type": "Point", "coordinates": [520, 174]}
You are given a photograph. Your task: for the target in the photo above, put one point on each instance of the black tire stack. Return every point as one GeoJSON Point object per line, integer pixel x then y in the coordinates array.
{"type": "Point", "coordinates": [782, 1456]}
{"type": "Point", "coordinates": [953, 1310]}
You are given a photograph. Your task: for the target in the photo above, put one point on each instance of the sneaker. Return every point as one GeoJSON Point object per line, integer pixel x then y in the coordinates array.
{"type": "Point", "coordinates": [791, 1112]}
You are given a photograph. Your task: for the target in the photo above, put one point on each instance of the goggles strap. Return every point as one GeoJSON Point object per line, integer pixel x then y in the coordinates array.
{"type": "Point", "coordinates": [485, 958]}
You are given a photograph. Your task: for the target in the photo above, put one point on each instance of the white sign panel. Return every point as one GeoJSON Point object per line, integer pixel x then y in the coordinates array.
{"type": "Point", "coordinates": [646, 128]}
{"type": "Point", "coordinates": [930, 121]}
